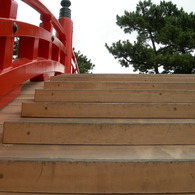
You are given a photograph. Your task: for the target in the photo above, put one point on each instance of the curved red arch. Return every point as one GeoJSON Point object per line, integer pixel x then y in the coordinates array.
{"type": "Point", "coordinates": [40, 53]}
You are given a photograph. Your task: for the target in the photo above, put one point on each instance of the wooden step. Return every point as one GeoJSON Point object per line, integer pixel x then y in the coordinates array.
{"type": "Point", "coordinates": [101, 85]}
{"type": "Point", "coordinates": [126, 77]}
{"type": "Point", "coordinates": [106, 134]}
{"type": "Point", "coordinates": [100, 132]}
{"type": "Point", "coordinates": [118, 75]}
{"type": "Point", "coordinates": [9, 193]}
{"type": "Point", "coordinates": [97, 169]}
{"type": "Point", "coordinates": [109, 110]}
{"type": "Point", "coordinates": [114, 96]}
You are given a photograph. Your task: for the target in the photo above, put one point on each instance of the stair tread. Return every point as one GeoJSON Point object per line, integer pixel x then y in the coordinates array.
{"type": "Point", "coordinates": [101, 121]}
{"type": "Point", "coordinates": [97, 153]}
{"type": "Point", "coordinates": [111, 103]}
{"type": "Point", "coordinates": [9, 193]}
{"type": "Point", "coordinates": [115, 96]}
{"type": "Point", "coordinates": [102, 132]}
{"type": "Point", "coordinates": [109, 110]}
{"type": "Point", "coordinates": [125, 77]}
{"type": "Point", "coordinates": [120, 82]}
{"type": "Point", "coordinates": [117, 85]}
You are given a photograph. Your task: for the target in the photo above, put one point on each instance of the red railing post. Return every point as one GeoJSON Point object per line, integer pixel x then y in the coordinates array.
{"type": "Point", "coordinates": [40, 53]}
{"type": "Point", "coordinates": [46, 23]}
{"type": "Point", "coordinates": [8, 9]}
{"type": "Point", "coordinates": [38, 46]}
{"type": "Point", "coordinates": [46, 48]}
{"type": "Point", "coordinates": [67, 24]}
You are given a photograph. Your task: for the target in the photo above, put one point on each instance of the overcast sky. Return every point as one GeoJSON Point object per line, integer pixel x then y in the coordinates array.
{"type": "Point", "coordinates": [94, 25]}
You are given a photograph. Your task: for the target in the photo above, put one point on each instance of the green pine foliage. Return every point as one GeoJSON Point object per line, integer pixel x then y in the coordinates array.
{"type": "Point", "coordinates": [85, 64]}
{"type": "Point", "coordinates": [165, 39]}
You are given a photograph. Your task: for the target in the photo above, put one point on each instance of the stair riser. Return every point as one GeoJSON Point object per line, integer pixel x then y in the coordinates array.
{"type": "Point", "coordinates": [99, 134]}
{"type": "Point", "coordinates": [95, 110]}
{"type": "Point", "coordinates": [7, 193]}
{"type": "Point", "coordinates": [122, 78]}
{"type": "Point", "coordinates": [114, 75]}
{"type": "Point", "coordinates": [123, 96]}
{"type": "Point", "coordinates": [97, 177]}
{"type": "Point", "coordinates": [118, 85]}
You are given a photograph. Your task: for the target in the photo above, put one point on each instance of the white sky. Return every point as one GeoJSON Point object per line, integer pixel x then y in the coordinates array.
{"type": "Point", "coordinates": [94, 25]}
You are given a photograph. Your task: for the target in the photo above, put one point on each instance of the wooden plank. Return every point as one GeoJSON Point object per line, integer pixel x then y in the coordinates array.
{"type": "Point", "coordinates": [77, 85]}
{"type": "Point", "coordinates": [110, 110]}
{"type": "Point", "coordinates": [102, 75]}
{"type": "Point", "coordinates": [116, 76]}
{"type": "Point", "coordinates": [100, 132]}
{"type": "Point", "coordinates": [13, 109]}
{"type": "Point", "coordinates": [113, 96]}
{"type": "Point", "coordinates": [97, 176]}
{"type": "Point", "coordinates": [6, 193]}
{"type": "Point", "coordinates": [123, 77]}
{"type": "Point", "coordinates": [75, 153]}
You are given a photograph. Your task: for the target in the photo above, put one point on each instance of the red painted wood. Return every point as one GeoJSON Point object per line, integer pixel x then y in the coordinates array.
{"type": "Point", "coordinates": [4, 100]}
{"type": "Point", "coordinates": [40, 53]}
{"type": "Point", "coordinates": [75, 66]}
{"type": "Point", "coordinates": [46, 15]}
{"type": "Point", "coordinates": [8, 9]}
{"type": "Point", "coordinates": [68, 26]}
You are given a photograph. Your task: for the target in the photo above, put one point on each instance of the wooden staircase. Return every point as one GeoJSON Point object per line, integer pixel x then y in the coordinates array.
{"type": "Point", "coordinates": [103, 134]}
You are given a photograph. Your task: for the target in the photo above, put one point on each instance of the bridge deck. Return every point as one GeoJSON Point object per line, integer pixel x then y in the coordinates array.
{"type": "Point", "coordinates": [160, 167]}
{"type": "Point", "coordinates": [12, 110]}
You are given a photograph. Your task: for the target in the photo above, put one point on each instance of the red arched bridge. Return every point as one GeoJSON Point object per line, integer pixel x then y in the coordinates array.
{"type": "Point", "coordinates": [88, 133]}
{"type": "Point", "coordinates": [41, 54]}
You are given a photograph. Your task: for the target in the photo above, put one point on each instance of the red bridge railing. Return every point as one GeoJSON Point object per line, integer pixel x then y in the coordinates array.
{"type": "Point", "coordinates": [40, 53]}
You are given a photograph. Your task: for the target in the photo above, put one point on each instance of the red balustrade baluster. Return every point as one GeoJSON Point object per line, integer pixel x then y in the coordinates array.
{"type": "Point", "coordinates": [40, 53]}
{"type": "Point", "coordinates": [28, 48]}
{"type": "Point", "coordinates": [8, 9]}
{"type": "Point", "coordinates": [67, 24]}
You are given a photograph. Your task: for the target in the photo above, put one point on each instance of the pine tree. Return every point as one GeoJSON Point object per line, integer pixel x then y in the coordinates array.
{"type": "Point", "coordinates": [85, 64]}
{"type": "Point", "coordinates": [165, 39]}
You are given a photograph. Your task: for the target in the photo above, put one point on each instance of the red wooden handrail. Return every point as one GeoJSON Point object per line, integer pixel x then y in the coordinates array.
{"type": "Point", "coordinates": [75, 67]}
{"type": "Point", "coordinates": [46, 15]}
{"type": "Point", "coordinates": [40, 53]}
